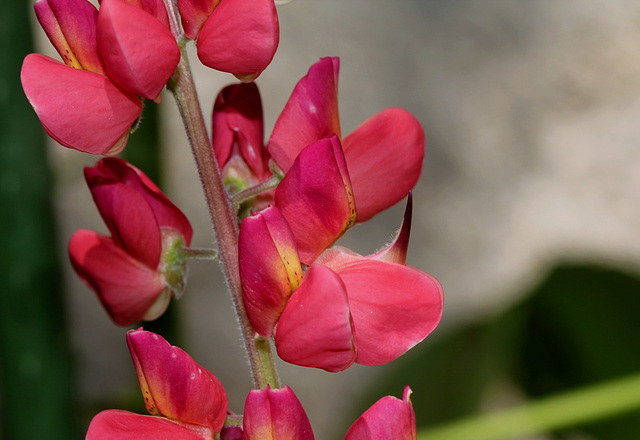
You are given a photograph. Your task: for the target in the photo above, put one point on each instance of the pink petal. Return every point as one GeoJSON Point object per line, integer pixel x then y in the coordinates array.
{"type": "Point", "coordinates": [396, 252]}
{"type": "Point", "coordinates": [168, 215]}
{"type": "Point", "coordinates": [126, 288]}
{"type": "Point", "coordinates": [393, 306]}
{"type": "Point", "coordinates": [138, 50]}
{"type": "Point", "coordinates": [384, 155]}
{"type": "Point", "coordinates": [79, 109]}
{"type": "Point", "coordinates": [237, 122]}
{"type": "Point", "coordinates": [310, 114]}
{"type": "Point", "coordinates": [71, 28]}
{"type": "Point", "coordinates": [240, 37]}
{"type": "Point", "coordinates": [194, 13]}
{"type": "Point", "coordinates": [315, 329]}
{"type": "Point", "coordinates": [115, 424]}
{"type": "Point", "coordinates": [174, 385]}
{"type": "Point", "coordinates": [388, 418]}
{"type": "Point", "coordinates": [156, 8]}
{"type": "Point", "coordinates": [269, 267]}
{"type": "Point", "coordinates": [130, 220]}
{"type": "Point", "coordinates": [275, 414]}
{"type": "Point", "coordinates": [316, 199]}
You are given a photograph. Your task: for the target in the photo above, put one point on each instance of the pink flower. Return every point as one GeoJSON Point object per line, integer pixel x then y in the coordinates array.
{"type": "Point", "coordinates": [186, 401]}
{"type": "Point", "coordinates": [383, 155]}
{"type": "Point", "coordinates": [90, 102]}
{"type": "Point", "coordinates": [388, 418]}
{"type": "Point", "coordinates": [235, 36]}
{"type": "Point", "coordinates": [348, 308]}
{"type": "Point", "coordinates": [135, 271]}
{"type": "Point", "coordinates": [275, 414]}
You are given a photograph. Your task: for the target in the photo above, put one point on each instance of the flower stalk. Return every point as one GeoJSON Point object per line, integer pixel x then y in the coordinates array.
{"type": "Point", "coordinates": [222, 213]}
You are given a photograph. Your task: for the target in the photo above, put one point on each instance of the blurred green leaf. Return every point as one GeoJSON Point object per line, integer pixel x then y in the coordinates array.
{"type": "Point", "coordinates": [582, 328]}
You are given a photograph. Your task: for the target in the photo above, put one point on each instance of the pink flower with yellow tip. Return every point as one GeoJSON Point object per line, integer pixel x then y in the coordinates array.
{"type": "Point", "coordinates": [186, 401]}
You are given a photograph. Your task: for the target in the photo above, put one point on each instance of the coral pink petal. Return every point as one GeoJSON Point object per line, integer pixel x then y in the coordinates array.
{"type": "Point", "coordinates": [396, 251]}
{"type": "Point", "coordinates": [194, 13]}
{"type": "Point", "coordinates": [310, 114]}
{"type": "Point", "coordinates": [388, 418]}
{"type": "Point", "coordinates": [275, 414]}
{"type": "Point", "coordinates": [240, 37]}
{"type": "Point", "coordinates": [71, 28]}
{"type": "Point", "coordinates": [315, 329]}
{"type": "Point", "coordinates": [125, 287]}
{"type": "Point", "coordinates": [168, 215]}
{"type": "Point", "coordinates": [316, 199]}
{"type": "Point", "coordinates": [79, 109]}
{"type": "Point", "coordinates": [174, 385]}
{"type": "Point", "coordinates": [384, 155]}
{"type": "Point", "coordinates": [156, 8]}
{"type": "Point", "coordinates": [130, 220]}
{"type": "Point", "coordinates": [269, 267]}
{"type": "Point", "coordinates": [138, 50]}
{"type": "Point", "coordinates": [115, 424]}
{"type": "Point", "coordinates": [394, 307]}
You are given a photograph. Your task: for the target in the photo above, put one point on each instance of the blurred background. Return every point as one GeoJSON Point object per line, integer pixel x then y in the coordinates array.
{"type": "Point", "coordinates": [527, 212]}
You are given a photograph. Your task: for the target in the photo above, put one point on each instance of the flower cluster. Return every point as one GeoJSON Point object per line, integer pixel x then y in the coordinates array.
{"type": "Point", "coordinates": [278, 208]}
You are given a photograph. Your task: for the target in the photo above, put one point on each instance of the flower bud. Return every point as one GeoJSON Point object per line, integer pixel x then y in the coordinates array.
{"type": "Point", "coordinates": [269, 267]}
{"type": "Point", "coordinates": [275, 414]}
{"type": "Point", "coordinates": [388, 418]}
{"type": "Point", "coordinates": [174, 385]}
{"type": "Point", "coordinates": [237, 138]}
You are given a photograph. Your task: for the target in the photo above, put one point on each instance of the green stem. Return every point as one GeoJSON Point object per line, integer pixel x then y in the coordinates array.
{"type": "Point", "coordinates": [199, 254]}
{"type": "Point", "coordinates": [233, 420]}
{"type": "Point", "coordinates": [246, 194]}
{"type": "Point", "coordinates": [565, 410]}
{"type": "Point", "coordinates": [221, 209]}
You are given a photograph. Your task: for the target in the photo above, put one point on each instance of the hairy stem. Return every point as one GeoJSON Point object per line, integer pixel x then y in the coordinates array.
{"type": "Point", "coordinates": [222, 212]}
